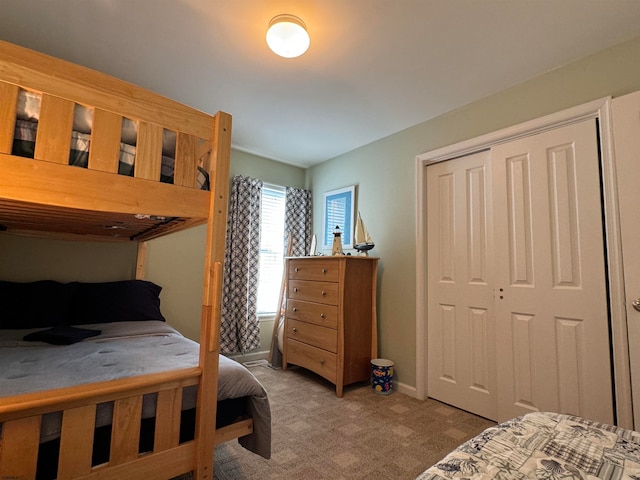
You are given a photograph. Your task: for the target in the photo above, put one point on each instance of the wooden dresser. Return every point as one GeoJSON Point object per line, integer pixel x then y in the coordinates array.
{"type": "Point", "coordinates": [330, 321]}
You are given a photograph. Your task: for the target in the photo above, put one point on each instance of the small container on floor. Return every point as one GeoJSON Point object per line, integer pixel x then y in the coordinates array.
{"type": "Point", "coordinates": [382, 376]}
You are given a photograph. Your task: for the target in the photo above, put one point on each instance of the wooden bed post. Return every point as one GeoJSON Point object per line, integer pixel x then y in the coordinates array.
{"type": "Point", "coordinates": [212, 297]}
{"type": "Point", "coordinates": [141, 260]}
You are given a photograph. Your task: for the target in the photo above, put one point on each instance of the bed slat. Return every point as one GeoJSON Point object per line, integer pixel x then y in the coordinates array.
{"type": "Point", "coordinates": [45, 401]}
{"type": "Point", "coordinates": [166, 464]}
{"type": "Point", "coordinates": [235, 430]}
{"type": "Point", "coordinates": [105, 141]}
{"type": "Point", "coordinates": [76, 442]}
{"type": "Point", "coordinates": [148, 151]}
{"type": "Point", "coordinates": [8, 103]}
{"type": "Point", "coordinates": [125, 436]}
{"type": "Point", "coordinates": [167, 434]}
{"type": "Point", "coordinates": [76, 187]}
{"type": "Point", "coordinates": [19, 448]}
{"type": "Point", "coordinates": [53, 140]}
{"type": "Point", "coordinates": [186, 161]}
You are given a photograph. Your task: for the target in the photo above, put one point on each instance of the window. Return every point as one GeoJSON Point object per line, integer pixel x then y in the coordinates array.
{"type": "Point", "coordinates": [271, 248]}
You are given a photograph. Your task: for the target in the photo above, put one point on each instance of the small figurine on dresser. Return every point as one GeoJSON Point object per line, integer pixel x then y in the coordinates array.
{"type": "Point", "coordinates": [363, 242]}
{"type": "Point", "coordinates": [337, 242]}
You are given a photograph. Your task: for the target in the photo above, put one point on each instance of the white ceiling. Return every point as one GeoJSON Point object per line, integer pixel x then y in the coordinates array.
{"type": "Point", "coordinates": [374, 67]}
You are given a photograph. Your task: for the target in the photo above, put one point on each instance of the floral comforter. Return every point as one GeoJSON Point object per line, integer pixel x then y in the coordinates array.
{"type": "Point", "coordinates": [545, 446]}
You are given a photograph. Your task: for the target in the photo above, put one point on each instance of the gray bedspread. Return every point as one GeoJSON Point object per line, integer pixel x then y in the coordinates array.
{"type": "Point", "coordinates": [124, 349]}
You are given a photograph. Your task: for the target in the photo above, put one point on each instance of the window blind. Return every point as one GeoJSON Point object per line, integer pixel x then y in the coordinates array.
{"type": "Point", "coordinates": [271, 247]}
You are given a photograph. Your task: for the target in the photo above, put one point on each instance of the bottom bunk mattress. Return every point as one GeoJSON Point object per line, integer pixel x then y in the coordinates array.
{"type": "Point", "coordinates": [125, 349]}
{"type": "Point", "coordinates": [544, 445]}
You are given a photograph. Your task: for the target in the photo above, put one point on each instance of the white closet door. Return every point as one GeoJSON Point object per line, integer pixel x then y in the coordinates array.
{"type": "Point", "coordinates": [553, 348]}
{"type": "Point", "coordinates": [626, 137]}
{"type": "Point", "coordinates": [461, 346]}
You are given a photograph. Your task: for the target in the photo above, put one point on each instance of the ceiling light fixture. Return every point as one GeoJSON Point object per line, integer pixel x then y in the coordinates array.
{"type": "Point", "coordinates": [287, 36]}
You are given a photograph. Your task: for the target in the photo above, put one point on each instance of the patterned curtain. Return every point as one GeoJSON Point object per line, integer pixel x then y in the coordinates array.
{"type": "Point", "coordinates": [297, 220]}
{"type": "Point", "coordinates": [239, 331]}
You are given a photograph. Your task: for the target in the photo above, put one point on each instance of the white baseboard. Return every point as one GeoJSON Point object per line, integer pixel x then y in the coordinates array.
{"type": "Point", "coordinates": [256, 356]}
{"type": "Point", "coordinates": [250, 357]}
{"type": "Point", "coordinates": [406, 389]}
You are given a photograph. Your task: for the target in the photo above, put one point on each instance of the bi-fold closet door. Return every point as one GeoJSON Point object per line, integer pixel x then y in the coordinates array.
{"type": "Point", "coordinates": [517, 297]}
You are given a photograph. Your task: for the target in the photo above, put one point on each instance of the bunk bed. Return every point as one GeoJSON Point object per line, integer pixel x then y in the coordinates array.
{"type": "Point", "coordinates": [74, 170]}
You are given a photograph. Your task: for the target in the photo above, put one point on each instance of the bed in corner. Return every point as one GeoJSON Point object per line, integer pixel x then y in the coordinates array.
{"type": "Point", "coordinates": [90, 157]}
{"type": "Point", "coordinates": [45, 344]}
{"type": "Point", "coordinates": [546, 446]}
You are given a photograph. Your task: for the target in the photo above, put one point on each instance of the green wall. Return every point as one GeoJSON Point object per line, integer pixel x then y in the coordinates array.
{"type": "Point", "coordinates": [385, 175]}
{"type": "Point", "coordinates": [27, 259]}
{"type": "Point", "coordinates": [267, 170]}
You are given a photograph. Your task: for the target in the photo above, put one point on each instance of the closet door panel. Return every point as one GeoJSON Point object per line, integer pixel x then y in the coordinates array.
{"type": "Point", "coordinates": [483, 373]}
{"type": "Point", "coordinates": [563, 199]}
{"type": "Point", "coordinates": [571, 362]}
{"type": "Point", "coordinates": [521, 327]}
{"type": "Point", "coordinates": [548, 220]}
{"type": "Point", "coordinates": [461, 337]}
{"type": "Point", "coordinates": [446, 337]}
{"type": "Point", "coordinates": [519, 220]}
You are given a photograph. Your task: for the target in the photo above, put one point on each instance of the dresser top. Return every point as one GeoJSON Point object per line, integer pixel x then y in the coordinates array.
{"type": "Point", "coordinates": [337, 257]}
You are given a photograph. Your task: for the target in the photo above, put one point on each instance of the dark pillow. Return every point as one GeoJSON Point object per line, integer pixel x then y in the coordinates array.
{"type": "Point", "coordinates": [34, 304]}
{"type": "Point", "coordinates": [127, 300]}
{"type": "Point", "coordinates": [64, 335]}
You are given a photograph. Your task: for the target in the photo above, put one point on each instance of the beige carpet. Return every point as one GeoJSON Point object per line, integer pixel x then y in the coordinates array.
{"type": "Point", "coordinates": [362, 435]}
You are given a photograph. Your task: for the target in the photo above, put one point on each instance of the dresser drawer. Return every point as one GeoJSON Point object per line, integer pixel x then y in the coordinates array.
{"type": "Point", "coordinates": [321, 337]}
{"type": "Point", "coordinates": [315, 359]}
{"type": "Point", "coordinates": [314, 269]}
{"type": "Point", "coordinates": [320, 292]}
{"type": "Point", "coordinates": [316, 313]}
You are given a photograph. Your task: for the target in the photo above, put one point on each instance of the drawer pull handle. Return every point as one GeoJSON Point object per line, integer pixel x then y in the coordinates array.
{"type": "Point", "coordinates": [295, 309]}
{"type": "Point", "coordinates": [297, 269]}
{"type": "Point", "coordinates": [295, 329]}
{"type": "Point", "coordinates": [322, 362]}
{"type": "Point", "coordinates": [322, 315]}
{"type": "Point", "coordinates": [295, 289]}
{"type": "Point", "coordinates": [324, 293]}
{"type": "Point", "coordinates": [324, 270]}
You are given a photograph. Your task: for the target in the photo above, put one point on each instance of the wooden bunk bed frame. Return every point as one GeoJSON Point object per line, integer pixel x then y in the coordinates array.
{"type": "Point", "coordinates": [46, 196]}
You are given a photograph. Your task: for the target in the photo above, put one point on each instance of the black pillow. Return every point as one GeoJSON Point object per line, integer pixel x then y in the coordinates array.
{"type": "Point", "coordinates": [34, 304]}
{"type": "Point", "coordinates": [64, 335]}
{"type": "Point", "coordinates": [127, 300]}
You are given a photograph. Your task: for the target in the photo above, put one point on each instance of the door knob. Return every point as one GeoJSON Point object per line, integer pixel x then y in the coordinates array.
{"type": "Point", "coordinates": [636, 304]}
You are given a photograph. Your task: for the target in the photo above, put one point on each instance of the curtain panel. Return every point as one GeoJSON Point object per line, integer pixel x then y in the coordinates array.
{"type": "Point", "coordinates": [239, 331]}
{"type": "Point", "coordinates": [297, 220]}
